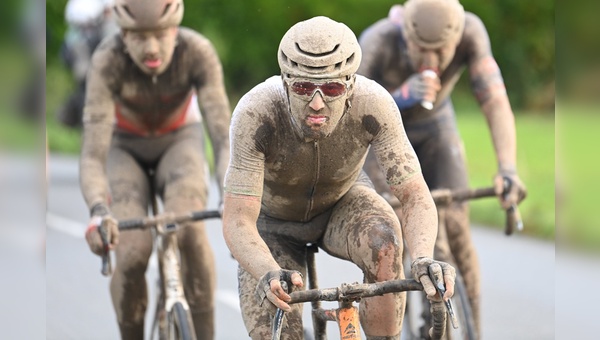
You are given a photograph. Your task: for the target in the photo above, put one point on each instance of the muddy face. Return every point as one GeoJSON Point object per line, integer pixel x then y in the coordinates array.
{"type": "Point", "coordinates": [436, 59]}
{"type": "Point", "coordinates": [315, 115]}
{"type": "Point", "coordinates": [152, 50]}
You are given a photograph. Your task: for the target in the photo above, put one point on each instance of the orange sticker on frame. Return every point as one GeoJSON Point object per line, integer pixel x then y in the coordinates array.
{"type": "Point", "coordinates": [349, 323]}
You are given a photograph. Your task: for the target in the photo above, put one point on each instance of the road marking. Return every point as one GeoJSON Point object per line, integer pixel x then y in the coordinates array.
{"type": "Point", "coordinates": [76, 229]}
{"type": "Point", "coordinates": [65, 225]}
{"type": "Point", "coordinates": [230, 298]}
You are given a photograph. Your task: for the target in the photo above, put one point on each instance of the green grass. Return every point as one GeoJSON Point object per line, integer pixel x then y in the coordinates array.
{"type": "Point", "coordinates": [17, 132]}
{"type": "Point", "coordinates": [535, 158]}
{"type": "Point", "coordinates": [60, 138]}
{"type": "Point", "coordinates": [577, 166]}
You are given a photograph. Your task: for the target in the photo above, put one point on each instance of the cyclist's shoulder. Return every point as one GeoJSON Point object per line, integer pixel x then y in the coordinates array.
{"type": "Point", "coordinates": [474, 28]}
{"type": "Point", "coordinates": [111, 43]}
{"type": "Point", "coordinates": [110, 52]}
{"type": "Point", "coordinates": [193, 39]}
{"type": "Point", "coordinates": [270, 88]}
{"type": "Point", "coordinates": [264, 99]}
{"type": "Point", "coordinates": [368, 90]}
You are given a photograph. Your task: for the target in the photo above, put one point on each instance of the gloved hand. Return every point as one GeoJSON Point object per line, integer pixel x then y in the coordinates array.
{"type": "Point", "coordinates": [271, 295]}
{"type": "Point", "coordinates": [109, 225]}
{"type": "Point", "coordinates": [416, 89]}
{"type": "Point", "coordinates": [420, 269]}
{"type": "Point", "coordinates": [517, 191]}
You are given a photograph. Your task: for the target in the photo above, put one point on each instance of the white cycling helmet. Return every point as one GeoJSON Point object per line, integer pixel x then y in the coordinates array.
{"type": "Point", "coordinates": [319, 48]}
{"type": "Point", "coordinates": [434, 23]}
{"type": "Point", "coordinates": [84, 12]}
{"type": "Point", "coordinates": [148, 14]}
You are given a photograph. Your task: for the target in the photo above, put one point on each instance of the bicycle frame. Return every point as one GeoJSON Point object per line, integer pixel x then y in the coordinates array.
{"type": "Point", "coordinates": [171, 292]}
{"type": "Point", "coordinates": [169, 269]}
{"type": "Point", "coordinates": [346, 315]}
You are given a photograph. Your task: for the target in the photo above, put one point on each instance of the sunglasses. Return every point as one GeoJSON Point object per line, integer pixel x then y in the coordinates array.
{"type": "Point", "coordinates": [329, 89]}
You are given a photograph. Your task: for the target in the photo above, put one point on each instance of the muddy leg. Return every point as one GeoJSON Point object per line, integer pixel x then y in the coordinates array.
{"type": "Point", "coordinates": [129, 188]}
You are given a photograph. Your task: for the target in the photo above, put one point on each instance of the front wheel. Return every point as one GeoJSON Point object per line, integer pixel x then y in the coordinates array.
{"type": "Point", "coordinates": [417, 318]}
{"type": "Point", "coordinates": [462, 309]}
{"type": "Point", "coordinates": [180, 326]}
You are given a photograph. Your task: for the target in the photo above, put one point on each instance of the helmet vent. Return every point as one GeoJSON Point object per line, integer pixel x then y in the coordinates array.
{"type": "Point", "coordinates": [317, 54]}
{"type": "Point", "coordinates": [315, 68]}
{"type": "Point", "coordinates": [126, 8]}
{"type": "Point", "coordinates": [117, 11]}
{"type": "Point", "coordinates": [167, 6]}
{"type": "Point", "coordinates": [350, 59]}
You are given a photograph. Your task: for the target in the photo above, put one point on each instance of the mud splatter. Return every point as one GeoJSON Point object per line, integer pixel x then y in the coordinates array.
{"type": "Point", "coordinates": [371, 124]}
{"type": "Point", "coordinates": [263, 135]}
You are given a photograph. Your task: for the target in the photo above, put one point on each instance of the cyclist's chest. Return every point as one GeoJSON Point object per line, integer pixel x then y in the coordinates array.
{"type": "Point", "coordinates": [332, 160]}
{"type": "Point", "coordinates": [148, 98]}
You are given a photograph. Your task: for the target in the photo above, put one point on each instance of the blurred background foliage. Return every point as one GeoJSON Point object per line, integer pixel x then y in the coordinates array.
{"type": "Point", "coordinates": [21, 84]}
{"type": "Point", "coordinates": [247, 33]}
{"type": "Point", "coordinates": [577, 123]}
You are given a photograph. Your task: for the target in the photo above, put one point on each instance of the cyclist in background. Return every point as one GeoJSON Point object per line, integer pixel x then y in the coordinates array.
{"type": "Point", "coordinates": [299, 141]}
{"type": "Point", "coordinates": [89, 21]}
{"type": "Point", "coordinates": [418, 54]}
{"type": "Point", "coordinates": [148, 90]}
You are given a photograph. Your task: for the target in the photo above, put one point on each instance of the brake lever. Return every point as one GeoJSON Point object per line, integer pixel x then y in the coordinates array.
{"type": "Point", "coordinates": [513, 217]}
{"type": "Point", "coordinates": [438, 282]}
{"type": "Point", "coordinates": [106, 263]}
{"type": "Point", "coordinates": [278, 318]}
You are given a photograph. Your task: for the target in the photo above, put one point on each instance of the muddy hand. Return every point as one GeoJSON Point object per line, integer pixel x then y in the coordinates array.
{"type": "Point", "coordinates": [269, 292]}
{"type": "Point", "coordinates": [423, 267]}
{"type": "Point", "coordinates": [93, 234]}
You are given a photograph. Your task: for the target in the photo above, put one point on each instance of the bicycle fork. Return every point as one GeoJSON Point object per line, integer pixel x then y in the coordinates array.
{"type": "Point", "coordinates": [347, 318]}
{"type": "Point", "coordinates": [346, 315]}
{"type": "Point", "coordinates": [170, 272]}
{"type": "Point", "coordinates": [171, 284]}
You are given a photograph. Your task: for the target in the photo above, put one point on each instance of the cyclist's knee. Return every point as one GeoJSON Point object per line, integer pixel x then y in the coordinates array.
{"type": "Point", "coordinates": [194, 244]}
{"type": "Point", "coordinates": [133, 260]}
{"type": "Point", "coordinates": [385, 252]}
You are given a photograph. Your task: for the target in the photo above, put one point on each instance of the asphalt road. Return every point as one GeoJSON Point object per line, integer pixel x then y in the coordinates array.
{"type": "Point", "coordinates": [518, 284]}
{"type": "Point", "coordinates": [22, 281]}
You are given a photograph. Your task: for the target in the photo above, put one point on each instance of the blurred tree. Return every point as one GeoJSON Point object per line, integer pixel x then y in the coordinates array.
{"type": "Point", "coordinates": [56, 27]}
{"type": "Point", "coordinates": [247, 33]}
{"type": "Point", "coordinates": [522, 38]}
{"type": "Point", "coordinates": [9, 18]}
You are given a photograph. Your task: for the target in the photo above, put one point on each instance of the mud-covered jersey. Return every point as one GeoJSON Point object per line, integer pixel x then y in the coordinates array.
{"type": "Point", "coordinates": [298, 180]}
{"type": "Point", "coordinates": [385, 60]}
{"type": "Point", "coordinates": [121, 96]}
